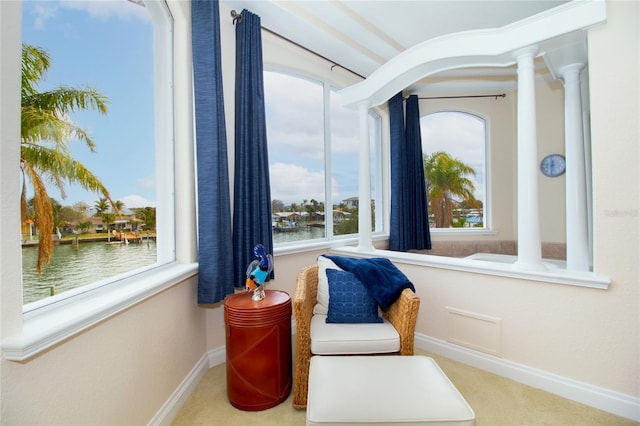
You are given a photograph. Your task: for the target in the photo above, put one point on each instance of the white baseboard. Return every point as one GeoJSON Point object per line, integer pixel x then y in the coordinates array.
{"type": "Point", "coordinates": [217, 356]}
{"type": "Point", "coordinates": [172, 406]}
{"type": "Point", "coordinates": [617, 403]}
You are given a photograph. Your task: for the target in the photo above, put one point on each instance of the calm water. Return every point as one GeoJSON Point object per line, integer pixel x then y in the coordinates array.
{"type": "Point", "coordinates": [72, 267]}
{"type": "Point", "coordinates": [302, 233]}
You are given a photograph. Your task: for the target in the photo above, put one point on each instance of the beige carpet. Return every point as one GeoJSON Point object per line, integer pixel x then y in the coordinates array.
{"type": "Point", "coordinates": [495, 400]}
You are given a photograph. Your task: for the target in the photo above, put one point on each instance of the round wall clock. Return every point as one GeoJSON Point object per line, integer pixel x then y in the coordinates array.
{"type": "Point", "coordinates": [553, 165]}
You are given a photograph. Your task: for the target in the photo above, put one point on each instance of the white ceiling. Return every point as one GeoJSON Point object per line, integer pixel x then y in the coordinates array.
{"type": "Point", "coordinates": [361, 35]}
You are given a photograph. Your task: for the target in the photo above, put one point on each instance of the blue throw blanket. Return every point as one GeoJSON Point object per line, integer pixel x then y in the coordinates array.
{"type": "Point", "coordinates": [383, 279]}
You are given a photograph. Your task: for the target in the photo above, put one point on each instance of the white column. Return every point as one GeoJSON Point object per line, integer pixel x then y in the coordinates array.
{"type": "Point", "coordinates": [529, 245]}
{"type": "Point", "coordinates": [364, 201]}
{"type": "Point", "coordinates": [576, 198]}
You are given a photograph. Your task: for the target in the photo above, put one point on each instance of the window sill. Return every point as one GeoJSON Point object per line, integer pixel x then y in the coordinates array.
{"type": "Point", "coordinates": [499, 267]}
{"type": "Point", "coordinates": [462, 231]}
{"type": "Point", "coordinates": [321, 244]}
{"type": "Point", "coordinates": [52, 324]}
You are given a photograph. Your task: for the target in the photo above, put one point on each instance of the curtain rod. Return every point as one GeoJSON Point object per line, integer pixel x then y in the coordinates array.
{"type": "Point", "coordinates": [238, 17]}
{"type": "Point", "coordinates": [501, 95]}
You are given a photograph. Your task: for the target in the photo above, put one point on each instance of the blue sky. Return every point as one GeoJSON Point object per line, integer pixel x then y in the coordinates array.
{"type": "Point", "coordinates": [106, 45]}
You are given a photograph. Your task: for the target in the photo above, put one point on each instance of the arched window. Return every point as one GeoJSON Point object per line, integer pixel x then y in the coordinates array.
{"type": "Point", "coordinates": [454, 157]}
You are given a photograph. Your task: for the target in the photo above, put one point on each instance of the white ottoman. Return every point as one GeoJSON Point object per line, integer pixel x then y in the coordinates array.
{"type": "Point", "coordinates": [392, 390]}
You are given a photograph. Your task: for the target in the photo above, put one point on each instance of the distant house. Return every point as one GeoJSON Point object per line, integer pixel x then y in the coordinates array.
{"type": "Point", "coordinates": [122, 223]}
{"type": "Point", "coordinates": [340, 216]}
{"type": "Point", "coordinates": [351, 203]}
{"type": "Point", "coordinates": [286, 219]}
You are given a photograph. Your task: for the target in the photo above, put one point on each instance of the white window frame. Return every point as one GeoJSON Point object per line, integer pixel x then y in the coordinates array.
{"type": "Point", "coordinates": [44, 325]}
{"type": "Point", "coordinates": [487, 228]}
{"type": "Point", "coordinates": [330, 239]}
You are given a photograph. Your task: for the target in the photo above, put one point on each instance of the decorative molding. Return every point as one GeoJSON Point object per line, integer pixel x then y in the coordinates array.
{"type": "Point", "coordinates": [478, 48]}
{"type": "Point", "coordinates": [172, 406]}
{"type": "Point", "coordinates": [617, 403]}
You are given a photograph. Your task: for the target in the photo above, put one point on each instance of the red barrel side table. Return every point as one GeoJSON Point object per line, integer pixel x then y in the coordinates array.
{"type": "Point", "coordinates": [258, 338]}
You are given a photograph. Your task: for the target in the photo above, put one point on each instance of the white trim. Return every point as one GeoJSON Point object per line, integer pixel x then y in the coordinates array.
{"type": "Point", "coordinates": [217, 356]}
{"type": "Point", "coordinates": [172, 406]}
{"type": "Point", "coordinates": [614, 402]}
{"type": "Point", "coordinates": [486, 161]}
{"type": "Point", "coordinates": [165, 147]}
{"type": "Point", "coordinates": [53, 324]}
{"type": "Point", "coordinates": [551, 273]}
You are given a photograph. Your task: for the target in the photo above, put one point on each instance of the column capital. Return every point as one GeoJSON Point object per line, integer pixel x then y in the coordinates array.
{"type": "Point", "coordinates": [574, 68]}
{"type": "Point", "coordinates": [525, 52]}
{"type": "Point", "coordinates": [364, 105]}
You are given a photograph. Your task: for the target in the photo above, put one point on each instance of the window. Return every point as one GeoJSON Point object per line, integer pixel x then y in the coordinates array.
{"type": "Point", "coordinates": [454, 152]}
{"type": "Point", "coordinates": [123, 50]}
{"type": "Point", "coordinates": [313, 157]}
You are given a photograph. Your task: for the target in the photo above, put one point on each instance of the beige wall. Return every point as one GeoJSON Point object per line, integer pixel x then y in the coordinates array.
{"type": "Point", "coordinates": [118, 372]}
{"type": "Point", "coordinates": [550, 116]}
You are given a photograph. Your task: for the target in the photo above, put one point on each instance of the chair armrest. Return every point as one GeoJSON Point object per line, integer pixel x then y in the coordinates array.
{"type": "Point", "coordinates": [304, 299]}
{"type": "Point", "coordinates": [305, 296]}
{"type": "Point", "coordinates": [403, 315]}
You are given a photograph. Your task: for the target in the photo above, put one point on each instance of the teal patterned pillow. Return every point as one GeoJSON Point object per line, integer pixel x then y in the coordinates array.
{"type": "Point", "coordinates": [349, 300]}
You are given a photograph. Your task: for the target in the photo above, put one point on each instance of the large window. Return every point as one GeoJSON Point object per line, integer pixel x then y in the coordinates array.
{"type": "Point", "coordinates": [313, 157]}
{"type": "Point", "coordinates": [122, 50]}
{"type": "Point", "coordinates": [454, 159]}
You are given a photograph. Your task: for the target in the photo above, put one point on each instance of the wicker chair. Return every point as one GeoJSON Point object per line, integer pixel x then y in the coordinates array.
{"type": "Point", "coordinates": [402, 315]}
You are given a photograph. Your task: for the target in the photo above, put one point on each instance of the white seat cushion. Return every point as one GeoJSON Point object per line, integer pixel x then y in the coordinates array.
{"type": "Point", "coordinates": [349, 339]}
{"type": "Point", "coordinates": [391, 390]}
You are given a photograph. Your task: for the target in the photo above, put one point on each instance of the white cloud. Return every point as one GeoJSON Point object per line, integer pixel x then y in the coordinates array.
{"type": "Point", "coordinates": [133, 201]}
{"type": "Point", "coordinates": [295, 117]}
{"type": "Point", "coordinates": [291, 183]}
{"type": "Point", "coordinates": [44, 11]}
{"type": "Point", "coordinates": [460, 135]}
{"type": "Point", "coordinates": [106, 9]}
{"type": "Point", "coordinates": [146, 182]}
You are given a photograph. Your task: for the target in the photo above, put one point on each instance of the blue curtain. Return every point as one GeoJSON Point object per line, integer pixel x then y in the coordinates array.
{"type": "Point", "coordinates": [215, 278]}
{"type": "Point", "coordinates": [409, 221]}
{"type": "Point", "coordinates": [417, 200]}
{"type": "Point", "coordinates": [397, 223]}
{"type": "Point", "coordinates": [252, 194]}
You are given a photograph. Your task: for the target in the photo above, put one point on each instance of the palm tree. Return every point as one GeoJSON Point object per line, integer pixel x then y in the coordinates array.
{"type": "Point", "coordinates": [446, 180]}
{"type": "Point", "coordinates": [45, 134]}
{"type": "Point", "coordinates": [118, 205]}
{"type": "Point", "coordinates": [101, 206]}
{"type": "Point", "coordinates": [147, 215]}
{"type": "Point", "coordinates": [102, 209]}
